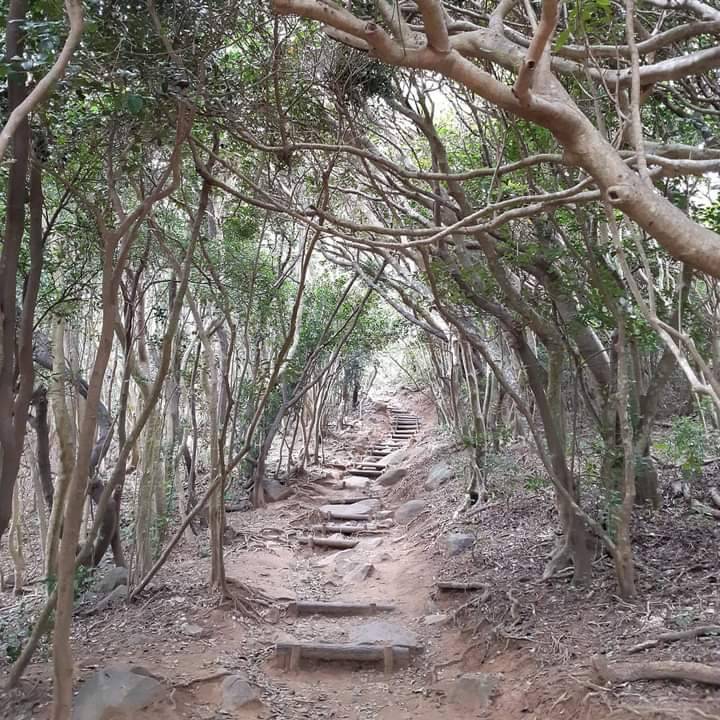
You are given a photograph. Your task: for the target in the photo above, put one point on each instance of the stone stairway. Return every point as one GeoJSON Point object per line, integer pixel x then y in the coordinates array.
{"type": "Point", "coordinates": [345, 520]}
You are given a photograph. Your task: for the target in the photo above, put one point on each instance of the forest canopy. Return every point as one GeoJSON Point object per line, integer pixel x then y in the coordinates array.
{"type": "Point", "coordinates": [223, 219]}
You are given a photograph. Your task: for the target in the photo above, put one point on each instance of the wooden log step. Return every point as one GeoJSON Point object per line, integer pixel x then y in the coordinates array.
{"type": "Point", "coordinates": [311, 607]}
{"type": "Point", "coordinates": [330, 500]}
{"type": "Point", "coordinates": [338, 543]}
{"type": "Point", "coordinates": [365, 472]}
{"type": "Point", "coordinates": [293, 652]}
{"type": "Point", "coordinates": [346, 528]}
{"type": "Point", "coordinates": [460, 586]}
{"type": "Point", "coordinates": [350, 517]}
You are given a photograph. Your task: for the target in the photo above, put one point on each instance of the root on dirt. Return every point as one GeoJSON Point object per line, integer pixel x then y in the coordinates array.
{"type": "Point", "coordinates": [700, 631]}
{"type": "Point", "coordinates": [662, 670]}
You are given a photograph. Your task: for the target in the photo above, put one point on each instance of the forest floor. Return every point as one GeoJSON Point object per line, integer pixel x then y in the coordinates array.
{"type": "Point", "coordinates": [519, 648]}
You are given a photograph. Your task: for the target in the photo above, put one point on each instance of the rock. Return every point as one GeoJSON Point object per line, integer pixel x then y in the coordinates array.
{"type": "Point", "coordinates": [437, 619]}
{"type": "Point", "coordinates": [192, 630]}
{"type": "Point", "coordinates": [382, 632]}
{"type": "Point", "coordinates": [456, 543]}
{"type": "Point", "coordinates": [363, 507]}
{"type": "Point", "coordinates": [394, 458]}
{"type": "Point", "coordinates": [359, 573]}
{"type": "Point", "coordinates": [117, 693]}
{"type": "Point", "coordinates": [392, 476]}
{"type": "Point", "coordinates": [439, 474]}
{"type": "Point", "coordinates": [409, 510]}
{"type": "Point", "coordinates": [342, 561]}
{"type": "Point", "coordinates": [371, 543]}
{"type": "Point", "coordinates": [116, 597]}
{"type": "Point", "coordinates": [113, 578]}
{"type": "Point", "coordinates": [471, 691]}
{"type": "Point", "coordinates": [237, 692]}
{"type": "Point", "coordinates": [275, 491]}
{"type": "Point", "coordinates": [355, 482]}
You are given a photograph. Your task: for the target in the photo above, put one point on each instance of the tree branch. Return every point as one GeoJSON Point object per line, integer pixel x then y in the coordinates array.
{"type": "Point", "coordinates": [74, 9]}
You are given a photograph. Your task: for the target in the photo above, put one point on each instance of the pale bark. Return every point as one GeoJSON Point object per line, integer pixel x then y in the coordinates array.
{"type": "Point", "coordinates": [40, 92]}
{"type": "Point", "coordinates": [550, 107]}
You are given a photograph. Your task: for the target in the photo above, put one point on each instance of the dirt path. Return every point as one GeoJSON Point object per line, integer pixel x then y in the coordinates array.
{"type": "Point", "coordinates": [385, 568]}
{"type": "Point", "coordinates": [178, 634]}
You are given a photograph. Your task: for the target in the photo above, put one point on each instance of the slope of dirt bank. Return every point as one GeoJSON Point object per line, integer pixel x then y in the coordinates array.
{"type": "Point", "coordinates": [516, 648]}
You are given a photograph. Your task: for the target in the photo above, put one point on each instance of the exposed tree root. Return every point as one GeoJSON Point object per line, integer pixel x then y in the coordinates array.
{"type": "Point", "coordinates": [558, 560]}
{"type": "Point", "coordinates": [665, 670]}
{"type": "Point", "coordinates": [699, 631]}
{"type": "Point", "coordinates": [244, 599]}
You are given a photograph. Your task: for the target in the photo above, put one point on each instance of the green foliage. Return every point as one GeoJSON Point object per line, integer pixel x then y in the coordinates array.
{"type": "Point", "coordinates": [15, 629]}
{"type": "Point", "coordinates": [686, 446]}
{"type": "Point", "coordinates": [536, 482]}
{"type": "Point", "coordinates": [585, 19]}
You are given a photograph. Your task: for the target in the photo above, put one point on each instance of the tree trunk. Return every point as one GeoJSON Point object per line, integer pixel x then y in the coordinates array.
{"type": "Point", "coordinates": [14, 392]}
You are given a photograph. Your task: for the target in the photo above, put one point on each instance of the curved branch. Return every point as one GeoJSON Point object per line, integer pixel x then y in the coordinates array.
{"type": "Point", "coordinates": [38, 94]}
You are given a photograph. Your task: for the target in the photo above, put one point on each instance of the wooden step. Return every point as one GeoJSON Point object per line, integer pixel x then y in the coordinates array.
{"type": "Point", "coordinates": [330, 500]}
{"type": "Point", "coordinates": [337, 543]}
{"type": "Point", "coordinates": [347, 528]}
{"type": "Point", "coordinates": [337, 609]}
{"type": "Point", "coordinates": [350, 517]}
{"type": "Point", "coordinates": [470, 586]}
{"type": "Point", "coordinates": [365, 472]}
{"type": "Point", "coordinates": [391, 655]}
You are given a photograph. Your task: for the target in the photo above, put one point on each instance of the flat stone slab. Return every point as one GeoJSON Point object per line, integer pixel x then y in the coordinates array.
{"type": "Point", "coordinates": [382, 632]}
{"type": "Point", "coordinates": [364, 507]}
{"type": "Point", "coordinates": [409, 511]}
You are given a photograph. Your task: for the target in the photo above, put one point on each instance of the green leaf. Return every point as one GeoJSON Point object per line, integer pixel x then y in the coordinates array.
{"type": "Point", "coordinates": [134, 103]}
